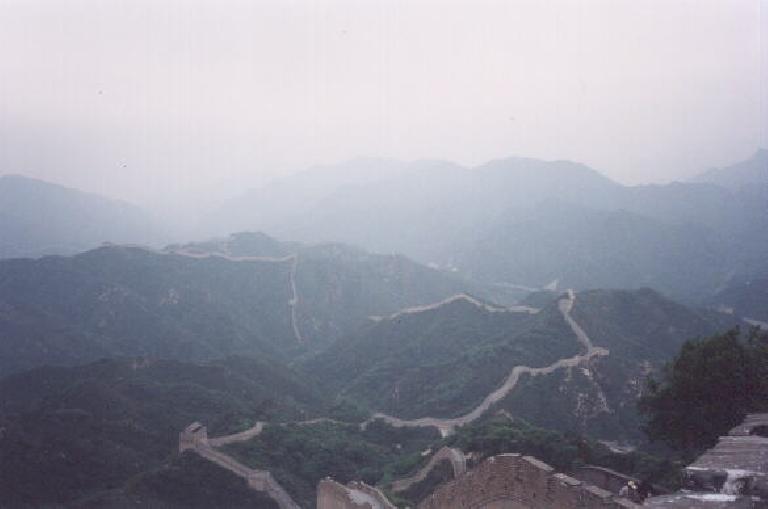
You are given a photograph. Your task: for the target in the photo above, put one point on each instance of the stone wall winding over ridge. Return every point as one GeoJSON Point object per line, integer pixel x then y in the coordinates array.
{"type": "Point", "coordinates": [513, 481]}
{"type": "Point", "coordinates": [456, 458]}
{"type": "Point", "coordinates": [355, 495]}
{"type": "Point", "coordinates": [195, 438]}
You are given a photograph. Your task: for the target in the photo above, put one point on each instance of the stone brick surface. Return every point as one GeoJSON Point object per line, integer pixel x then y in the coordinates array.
{"type": "Point", "coordinates": [512, 481]}
{"type": "Point", "coordinates": [355, 495]}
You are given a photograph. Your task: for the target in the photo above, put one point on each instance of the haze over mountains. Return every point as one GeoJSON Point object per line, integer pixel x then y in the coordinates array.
{"type": "Point", "coordinates": [348, 254]}
{"type": "Point", "coordinates": [38, 218]}
{"type": "Point", "coordinates": [514, 221]}
{"type": "Point", "coordinates": [528, 222]}
{"type": "Point", "coordinates": [406, 299]}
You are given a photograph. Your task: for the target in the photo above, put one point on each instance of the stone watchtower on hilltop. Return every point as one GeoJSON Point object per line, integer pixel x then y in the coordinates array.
{"type": "Point", "coordinates": [193, 436]}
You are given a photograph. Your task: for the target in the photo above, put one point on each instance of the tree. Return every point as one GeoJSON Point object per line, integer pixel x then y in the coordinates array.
{"type": "Point", "coordinates": [707, 389]}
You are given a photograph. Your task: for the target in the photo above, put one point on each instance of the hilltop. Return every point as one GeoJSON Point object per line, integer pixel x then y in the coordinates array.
{"type": "Point", "coordinates": [512, 221]}
{"type": "Point", "coordinates": [190, 304]}
{"type": "Point", "coordinates": [39, 218]}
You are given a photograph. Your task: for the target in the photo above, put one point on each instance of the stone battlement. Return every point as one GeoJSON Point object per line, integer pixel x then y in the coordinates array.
{"type": "Point", "coordinates": [193, 436]}
{"type": "Point", "coordinates": [520, 482]}
{"type": "Point", "coordinates": [604, 478]}
{"type": "Point", "coordinates": [455, 457]}
{"type": "Point", "coordinates": [732, 474]}
{"type": "Point", "coordinates": [739, 458]}
{"type": "Point", "coordinates": [355, 495]}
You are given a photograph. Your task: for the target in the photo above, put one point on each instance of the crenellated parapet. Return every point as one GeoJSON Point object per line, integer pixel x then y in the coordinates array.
{"type": "Point", "coordinates": [455, 457]}
{"type": "Point", "coordinates": [520, 482]}
{"type": "Point", "coordinates": [193, 436]}
{"type": "Point", "coordinates": [355, 495]}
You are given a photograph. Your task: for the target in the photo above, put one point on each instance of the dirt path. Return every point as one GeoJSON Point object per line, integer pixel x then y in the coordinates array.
{"type": "Point", "coordinates": [447, 426]}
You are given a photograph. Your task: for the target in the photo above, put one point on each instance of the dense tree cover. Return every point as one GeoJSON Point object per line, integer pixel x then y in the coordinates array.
{"type": "Point", "coordinates": [123, 301]}
{"type": "Point", "coordinates": [563, 451]}
{"type": "Point", "coordinates": [299, 456]}
{"type": "Point", "coordinates": [642, 329]}
{"type": "Point", "coordinates": [70, 433]}
{"type": "Point", "coordinates": [440, 362]}
{"type": "Point", "coordinates": [707, 389]}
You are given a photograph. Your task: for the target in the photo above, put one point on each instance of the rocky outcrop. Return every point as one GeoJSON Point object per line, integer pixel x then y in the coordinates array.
{"type": "Point", "coordinates": [520, 482]}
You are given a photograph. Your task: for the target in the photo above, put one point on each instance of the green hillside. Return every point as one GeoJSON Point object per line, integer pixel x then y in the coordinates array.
{"type": "Point", "coordinates": [117, 301]}
{"type": "Point", "coordinates": [642, 330]}
{"type": "Point", "coordinates": [339, 287]}
{"type": "Point", "coordinates": [71, 433]}
{"type": "Point", "coordinates": [442, 361]}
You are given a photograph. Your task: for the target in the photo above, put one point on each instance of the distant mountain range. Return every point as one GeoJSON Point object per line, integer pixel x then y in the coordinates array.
{"type": "Point", "coordinates": [39, 218]}
{"type": "Point", "coordinates": [528, 222]}
{"type": "Point", "coordinates": [107, 353]}
{"type": "Point", "coordinates": [746, 296]}
{"type": "Point", "coordinates": [753, 171]}
{"type": "Point", "coordinates": [513, 221]}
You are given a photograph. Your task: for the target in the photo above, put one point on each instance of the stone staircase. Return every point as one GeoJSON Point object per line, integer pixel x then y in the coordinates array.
{"type": "Point", "coordinates": [732, 474]}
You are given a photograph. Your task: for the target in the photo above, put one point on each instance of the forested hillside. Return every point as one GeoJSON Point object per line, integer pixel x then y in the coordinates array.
{"type": "Point", "coordinates": [71, 433]}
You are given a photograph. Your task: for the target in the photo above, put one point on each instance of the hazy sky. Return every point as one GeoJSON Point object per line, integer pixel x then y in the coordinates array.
{"type": "Point", "coordinates": [153, 99]}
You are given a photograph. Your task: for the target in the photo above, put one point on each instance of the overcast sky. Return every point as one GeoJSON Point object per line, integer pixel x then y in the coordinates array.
{"type": "Point", "coordinates": [150, 99]}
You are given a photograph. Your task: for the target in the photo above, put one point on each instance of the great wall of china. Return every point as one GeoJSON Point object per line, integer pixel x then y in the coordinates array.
{"type": "Point", "coordinates": [456, 458]}
{"type": "Point", "coordinates": [355, 495]}
{"type": "Point", "coordinates": [513, 481]}
{"type": "Point", "coordinates": [732, 474]}
{"type": "Point", "coordinates": [195, 438]}
{"type": "Point", "coordinates": [446, 426]}
{"type": "Point", "coordinates": [293, 302]}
